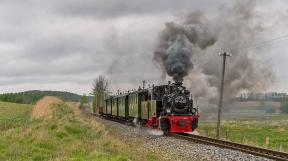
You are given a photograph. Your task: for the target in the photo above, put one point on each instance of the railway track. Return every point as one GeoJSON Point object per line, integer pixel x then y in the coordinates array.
{"type": "Point", "coordinates": [271, 154]}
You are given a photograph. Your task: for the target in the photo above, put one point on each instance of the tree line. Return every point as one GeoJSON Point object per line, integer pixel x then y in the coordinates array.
{"type": "Point", "coordinates": [31, 97]}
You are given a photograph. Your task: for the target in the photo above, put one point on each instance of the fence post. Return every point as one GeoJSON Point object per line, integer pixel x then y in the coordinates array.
{"type": "Point", "coordinates": [226, 135]}
{"type": "Point", "coordinates": [243, 139]}
{"type": "Point", "coordinates": [267, 142]}
{"type": "Point", "coordinates": [280, 147]}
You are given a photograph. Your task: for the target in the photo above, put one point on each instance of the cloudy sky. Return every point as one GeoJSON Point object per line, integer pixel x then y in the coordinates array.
{"type": "Point", "coordinates": [64, 45]}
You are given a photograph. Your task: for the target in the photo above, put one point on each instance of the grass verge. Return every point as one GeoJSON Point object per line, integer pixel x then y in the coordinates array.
{"type": "Point", "coordinates": [64, 137]}
{"type": "Point", "coordinates": [270, 133]}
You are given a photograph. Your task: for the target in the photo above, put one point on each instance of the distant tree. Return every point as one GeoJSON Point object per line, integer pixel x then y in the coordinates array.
{"type": "Point", "coordinates": [100, 91]}
{"type": "Point", "coordinates": [83, 101]}
{"type": "Point", "coordinates": [284, 107]}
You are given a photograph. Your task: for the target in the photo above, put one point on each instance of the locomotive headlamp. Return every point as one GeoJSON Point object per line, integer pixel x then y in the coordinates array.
{"type": "Point", "coordinates": [168, 110]}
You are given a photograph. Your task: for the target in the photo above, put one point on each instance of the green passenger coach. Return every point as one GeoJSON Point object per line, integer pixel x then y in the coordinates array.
{"type": "Point", "coordinates": [133, 105]}
{"type": "Point", "coordinates": [136, 104]}
{"type": "Point", "coordinates": [114, 106]}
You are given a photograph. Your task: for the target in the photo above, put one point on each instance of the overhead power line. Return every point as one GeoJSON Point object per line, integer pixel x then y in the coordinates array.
{"type": "Point", "coordinates": [267, 42]}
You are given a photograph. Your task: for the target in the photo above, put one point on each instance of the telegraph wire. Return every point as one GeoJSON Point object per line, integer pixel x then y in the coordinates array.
{"type": "Point", "coordinates": [267, 42]}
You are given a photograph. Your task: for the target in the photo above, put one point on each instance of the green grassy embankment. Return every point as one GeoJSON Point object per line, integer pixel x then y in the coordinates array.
{"type": "Point", "coordinates": [253, 132]}
{"type": "Point", "coordinates": [67, 135]}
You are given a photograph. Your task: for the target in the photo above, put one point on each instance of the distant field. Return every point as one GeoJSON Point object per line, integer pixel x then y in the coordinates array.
{"type": "Point", "coordinates": [253, 131]}
{"type": "Point", "coordinates": [13, 115]}
{"type": "Point", "coordinates": [65, 136]}
{"type": "Point", "coordinates": [244, 110]}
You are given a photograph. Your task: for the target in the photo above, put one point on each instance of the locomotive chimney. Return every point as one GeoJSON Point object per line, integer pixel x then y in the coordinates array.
{"type": "Point", "coordinates": [169, 82]}
{"type": "Point", "coordinates": [178, 83]}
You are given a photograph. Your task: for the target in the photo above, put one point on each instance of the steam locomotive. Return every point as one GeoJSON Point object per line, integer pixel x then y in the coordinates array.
{"type": "Point", "coordinates": [166, 107]}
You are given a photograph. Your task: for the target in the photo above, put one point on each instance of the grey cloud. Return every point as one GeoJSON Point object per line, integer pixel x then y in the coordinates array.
{"type": "Point", "coordinates": [73, 64]}
{"type": "Point", "coordinates": [82, 78]}
{"type": "Point", "coordinates": [118, 8]}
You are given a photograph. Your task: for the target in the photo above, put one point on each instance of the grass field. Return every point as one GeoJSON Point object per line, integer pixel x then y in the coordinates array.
{"type": "Point", "coordinates": [13, 115]}
{"type": "Point", "coordinates": [67, 136]}
{"type": "Point", "coordinates": [254, 123]}
{"type": "Point", "coordinates": [254, 132]}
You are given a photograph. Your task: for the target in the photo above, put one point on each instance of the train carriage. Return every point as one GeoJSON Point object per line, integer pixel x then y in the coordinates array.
{"type": "Point", "coordinates": [115, 106]}
{"type": "Point", "coordinates": [109, 107]}
{"type": "Point", "coordinates": [123, 106]}
{"type": "Point", "coordinates": [133, 105]}
{"type": "Point", "coordinates": [144, 110]}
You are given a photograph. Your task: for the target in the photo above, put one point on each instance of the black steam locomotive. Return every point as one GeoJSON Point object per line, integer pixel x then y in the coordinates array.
{"type": "Point", "coordinates": [167, 107]}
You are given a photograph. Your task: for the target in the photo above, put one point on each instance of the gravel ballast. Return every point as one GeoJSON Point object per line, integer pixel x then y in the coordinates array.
{"type": "Point", "coordinates": [170, 148]}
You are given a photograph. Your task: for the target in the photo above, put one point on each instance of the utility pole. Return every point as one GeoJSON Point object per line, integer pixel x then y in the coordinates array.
{"type": "Point", "coordinates": [224, 54]}
{"type": "Point", "coordinates": [144, 82]}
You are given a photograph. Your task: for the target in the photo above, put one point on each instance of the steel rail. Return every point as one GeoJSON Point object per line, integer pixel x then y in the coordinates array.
{"type": "Point", "coordinates": [267, 153]}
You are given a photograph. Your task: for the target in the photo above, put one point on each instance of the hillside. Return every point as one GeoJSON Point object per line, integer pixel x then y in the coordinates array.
{"type": "Point", "coordinates": [31, 97]}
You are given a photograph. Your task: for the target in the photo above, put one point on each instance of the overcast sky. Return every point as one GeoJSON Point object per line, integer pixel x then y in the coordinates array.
{"type": "Point", "coordinates": [64, 45]}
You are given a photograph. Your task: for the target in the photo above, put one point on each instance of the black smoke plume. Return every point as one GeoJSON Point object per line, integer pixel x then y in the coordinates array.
{"type": "Point", "coordinates": [188, 50]}
{"type": "Point", "coordinates": [177, 44]}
